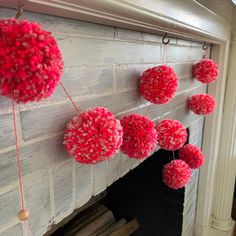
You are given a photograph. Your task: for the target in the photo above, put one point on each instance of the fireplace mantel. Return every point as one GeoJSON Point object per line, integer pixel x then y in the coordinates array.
{"type": "Point", "coordinates": [185, 19]}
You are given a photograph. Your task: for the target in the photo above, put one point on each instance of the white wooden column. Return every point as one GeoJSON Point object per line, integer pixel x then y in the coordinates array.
{"type": "Point", "coordinates": [226, 163]}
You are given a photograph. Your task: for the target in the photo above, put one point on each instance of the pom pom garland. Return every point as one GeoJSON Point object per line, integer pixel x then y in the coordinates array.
{"type": "Point", "coordinates": [176, 174]}
{"type": "Point", "coordinates": [171, 134]}
{"type": "Point", "coordinates": [192, 155]}
{"type": "Point", "coordinates": [205, 71]}
{"type": "Point", "coordinates": [158, 84]}
{"type": "Point", "coordinates": [202, 104]}
{"type": "Point", "coordinates": [93, 136]}
{"type": "Point", "coordinates": [140, 136]}
{"type": "Point", "coordinates": [30, 61]}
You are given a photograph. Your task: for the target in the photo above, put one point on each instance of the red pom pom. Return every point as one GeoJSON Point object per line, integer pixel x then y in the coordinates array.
{"type": "Point", "coordinates": [192, 155]}
{"type": "Point", "coordinates": [93, 136]}
{"type": "Point", "coordinates": [171, 134]}
{"type": "Point", "coordinates": [30, 61]}
{"type": "Point", "coordinates": [202, 104]}
{"type": "Point", "coordinates": [158, 84]}
{"type": "Point", "coordinates": [176, 174]}
{"type": "Point", "coordinates": [206, 71]}
{"type": "Point", "coordinates": [140, 136]}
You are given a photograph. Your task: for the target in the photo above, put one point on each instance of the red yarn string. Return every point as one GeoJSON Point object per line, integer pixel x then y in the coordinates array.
{"type": "Point", "coordinates": [164, 54]}
{"type": "Point", "coordinates": [18, 157]}
{"type": "Point", "coordinates": [68, 95]}
{"type": "Point", "coordinates": [27, 228]}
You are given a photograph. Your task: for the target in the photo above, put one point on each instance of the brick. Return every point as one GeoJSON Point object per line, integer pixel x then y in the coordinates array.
{"type": "Point", "coordinates": [127, 164]}
{"type": "Point", "coordinates": [15, 230]}
{"type": "Point", "coordinates": [10, 206]}
{"type": "Point", "coordinates": [5, 105]}
{"type": "Point", "coordinates": [187, 84]}
{"type": "Point", "coordinates": [60, 25]}
{"type": "Point", "coordinates": [182, 69]}
{"type": "Point", "coordinates": [85, 82]}
{"type": "Point", "coordinates": [129, 35]}
{"type": "Point", "coordinates": [151, 111]}
{"type": "Point", "coordinates": [48, 120]}
{"type": "Point", "coordinates": [37, 201]}
{"type": "Point", "coordinates": [35, 157]}
{"type": "Point", "coordinates": [152, 38]}
{"type": "Point", "coordinates": [96, 51]}
{"type": "Point", "coordinates": [192, 185]}
{"type": "Point", "coordinates": [180, 53]}
{"type": "Point", "coordinates": [100, 177]}
{"type": "Point", "coordinates": [62, 190]}
{"type": "Point", "coordinates": [129, 76]}
{"type": "Point", "coordinates": [84, 187]}
{"type": "Point", "coordinates": [188, 43]}
{"type": "Point", "coordinates": [7, 137]}
{"type": "Point", "coordinates": [182, 114]}
{"type": "Point", "coordinates": [114, 165]}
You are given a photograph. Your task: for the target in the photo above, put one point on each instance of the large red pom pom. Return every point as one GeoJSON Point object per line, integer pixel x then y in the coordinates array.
{"type": "Point", "coordinates": [202, 104]}
{"type": "Point", "coordinates": [176, 174]}
{"type": "Point", "coordinates": [171, 134]}
{"type": "Point", "coordinates": [192, 155]}
{"type": "Point", "coordinates": [158, 84]}
{"type": "Point", "coordinates": [30, 61]}
{"type": "Point", "coordinates": [206, 71]}
{"type": "Point", "coordinates": [93, 136]}
{"type": "Point", "coordinates": [140, 136]}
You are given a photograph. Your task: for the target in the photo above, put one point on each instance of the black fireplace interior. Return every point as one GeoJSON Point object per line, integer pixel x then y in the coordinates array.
{"type": "Point", "coordinates": [142, 195]}
{"type": "Point", "coordinates": [139, 196]}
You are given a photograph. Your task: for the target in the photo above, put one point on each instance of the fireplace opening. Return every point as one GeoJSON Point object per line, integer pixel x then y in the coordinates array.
{"type": "Point", "coordinates": [142, 195]}
{"type": "Point", "coordinates": [138, 204]}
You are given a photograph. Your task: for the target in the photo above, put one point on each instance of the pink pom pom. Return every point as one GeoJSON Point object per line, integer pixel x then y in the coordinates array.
{"type": "Point", "coordinates": [140, 136]}
{"type": "Point", "coordinates": [30, 61]}
{"type": "Point", "coordinates": [202, 104]}
{"type": "Point", "coordinates": [192, 155]}
{"type": "Point", "coordinates": [93, 136]}
{"type": "Point", "coordinates": [206, 71]}
{"type": "Point", "coordinates": [176, 174]}
{"type": "Point", "coordinates": [158, 84]}
{"type": "Point", "coordinates": [171, 134]}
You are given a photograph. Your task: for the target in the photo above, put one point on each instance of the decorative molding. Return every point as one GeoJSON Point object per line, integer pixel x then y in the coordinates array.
{"type": "Point", "coordinates": [150, 16]}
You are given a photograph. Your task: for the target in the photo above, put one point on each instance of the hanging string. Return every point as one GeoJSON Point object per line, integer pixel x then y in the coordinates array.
{"type": "Point", "coordinates": [18, 156]}
{"type": "Point", "coordinates": [204, 47]}
{"type": "Point", "coordinates": [68, 95]}
{"type": "Point", "coordinates": [20, 10]}
{"type": "Point", "coordinates": [25, 224]}
{"type": "Point", "coordinates": [173, 155]}
{"type": "Point", "coordinates": [165, 42]}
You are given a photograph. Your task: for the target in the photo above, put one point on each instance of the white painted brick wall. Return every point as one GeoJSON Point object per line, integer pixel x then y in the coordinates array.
{"type": "Point", "coordinates": [102, 68]}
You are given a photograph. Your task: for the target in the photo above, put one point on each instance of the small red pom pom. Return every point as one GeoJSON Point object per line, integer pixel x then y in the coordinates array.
{"type": "Point", "coordinates": [158, 84]}
{"type": "Point", "coordinates": [30, 61]}
{"type": "Point", "coordinates": [206, 71]}
{"type": "Point", "coordinates": [202, 104]}
{"type": "Point", "coordinates": [171, 134]}
{"type": "Point", "coordinates": [93, 136]}
{"type": "Point", "coordinates": [140, 136]}
{"type": "Point", "coordinates": [176, 174]}
{"type": "Point", "coordinates": [192, 155]}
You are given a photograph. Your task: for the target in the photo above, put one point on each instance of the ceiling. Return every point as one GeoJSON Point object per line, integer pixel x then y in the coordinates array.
{"type": "Point", "coordinates": [223, 8]}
